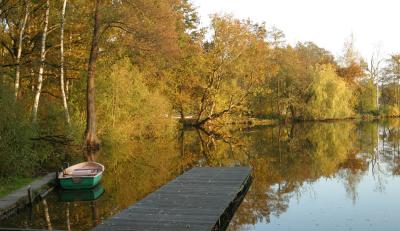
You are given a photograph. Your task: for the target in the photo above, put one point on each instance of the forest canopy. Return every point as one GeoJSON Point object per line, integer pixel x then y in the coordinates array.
{"type": "Point", "coordinates": [149, 66]}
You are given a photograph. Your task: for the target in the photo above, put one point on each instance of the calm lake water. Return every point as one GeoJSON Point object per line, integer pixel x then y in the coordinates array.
{"type": "Point", "coordinates": [309, 176]}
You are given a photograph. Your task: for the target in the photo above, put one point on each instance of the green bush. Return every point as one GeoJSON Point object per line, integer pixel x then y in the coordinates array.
{"type": "Point", "coordinates": [19, 154]}
{"type": "Point", "coordinates": [390, 111]}
{"type": "Point", "coordinates": [127, 108]}
{"type": "Point", "coordinates": [330, 97]}
{"type": "Point", "coordinates": [366, 100]}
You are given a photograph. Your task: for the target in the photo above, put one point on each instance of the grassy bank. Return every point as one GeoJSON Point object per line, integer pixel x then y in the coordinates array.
{"type": "Point", "coordinates": [11, 184]}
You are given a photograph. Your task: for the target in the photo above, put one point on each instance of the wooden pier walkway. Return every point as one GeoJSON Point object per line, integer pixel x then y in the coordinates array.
{"type": "Point", "coordinates": [200, 199]}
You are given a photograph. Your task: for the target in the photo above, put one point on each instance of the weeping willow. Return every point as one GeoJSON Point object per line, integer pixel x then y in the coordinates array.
{"type": "Point", "coordinates": [330, 97]}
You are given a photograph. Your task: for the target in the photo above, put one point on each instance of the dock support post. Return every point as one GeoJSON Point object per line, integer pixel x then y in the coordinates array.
{"type": "Point", "coordinates": [30, 195]}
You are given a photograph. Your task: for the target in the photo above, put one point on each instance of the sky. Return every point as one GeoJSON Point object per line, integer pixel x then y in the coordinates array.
{"type": "Point", "coordinates": [328, 23]}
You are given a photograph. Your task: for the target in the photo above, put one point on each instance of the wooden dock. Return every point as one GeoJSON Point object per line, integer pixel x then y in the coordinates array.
{"type": "Point", "coordinates": [200, 199]}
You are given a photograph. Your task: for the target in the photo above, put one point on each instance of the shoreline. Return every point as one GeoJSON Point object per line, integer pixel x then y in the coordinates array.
{"type": "Point", "coordinates": [25, 195]}
{"type": "Point", "coordinates": [253, 122]}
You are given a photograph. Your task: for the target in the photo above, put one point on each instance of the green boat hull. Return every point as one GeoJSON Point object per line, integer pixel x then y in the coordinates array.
{"type": "Point", "coordinates": [84, 182]}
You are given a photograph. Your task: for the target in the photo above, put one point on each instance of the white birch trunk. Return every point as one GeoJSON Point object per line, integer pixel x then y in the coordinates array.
{"type": "Point", "coordinates": [67, 88]}
{"type": "Point", "coordinates": [32, 80]}
{"type": "Point", "coordinates": [62, 85]}
{"type": "Point", "coordinates": [42, 59]}
{"type": "Point", "coordinates": [20, 39]}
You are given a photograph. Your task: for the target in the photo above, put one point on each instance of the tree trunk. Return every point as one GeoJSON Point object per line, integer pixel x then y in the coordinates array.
{"type": "Point", "coordinates": [32, 80]}
{"type": "Point", "coordinates": [67, 88]}
{"type": "Point", "coordinates": [397, 94]}
{"type": "Point", "coordinates": [42, 59]}
{"type": "Point", "coordinates": [19, 52]}
{"type": "Point", "coordinates": [64, 98]}
{"type": "Point", "coordinates": [377, 96]}
{"type": "Point", "coordinates": [278, 99]}
{"type": "Point", "coordinates": [292, 111]}
{"type": "Point", "coordinates": [182, 114]}
{"type": "Point", "coordinates": [91, 140]}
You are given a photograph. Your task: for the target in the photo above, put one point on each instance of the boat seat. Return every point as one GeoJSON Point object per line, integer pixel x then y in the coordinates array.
{"type": "Point", "coordinates": [83, 172]}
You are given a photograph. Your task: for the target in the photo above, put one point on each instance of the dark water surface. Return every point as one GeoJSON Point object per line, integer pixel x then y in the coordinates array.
{"type": "Point", "coordinates": [310, 176]}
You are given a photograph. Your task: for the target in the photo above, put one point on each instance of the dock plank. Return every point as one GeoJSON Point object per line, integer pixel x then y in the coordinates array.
{"type": "Point", "coordinates": [195, 201]}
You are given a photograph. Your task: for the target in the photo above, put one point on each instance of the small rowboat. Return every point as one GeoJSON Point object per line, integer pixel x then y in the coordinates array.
{"type": "Point", "coordinates": [81, 176]}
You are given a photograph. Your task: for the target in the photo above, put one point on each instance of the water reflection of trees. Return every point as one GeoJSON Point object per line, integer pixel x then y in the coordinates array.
{"type": "Point", "coordinates": [287, 158]}
{"type": "Point", "coordinates": [390, 146]}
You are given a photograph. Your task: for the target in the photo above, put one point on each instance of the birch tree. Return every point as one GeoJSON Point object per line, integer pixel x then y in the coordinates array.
{"type": "Point", "coordinates": [64, 98]}
{"type": "Point", "coordinates": [42, 60]}
{"type": "Point", "coordinates": [374, 70]}
{"type": "Point", "coordinates": [20, 40]}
